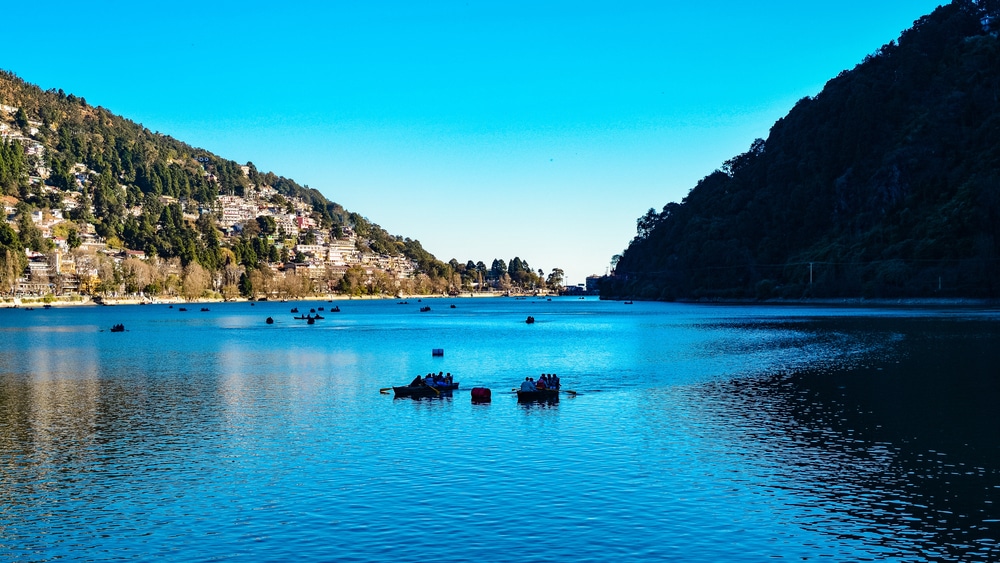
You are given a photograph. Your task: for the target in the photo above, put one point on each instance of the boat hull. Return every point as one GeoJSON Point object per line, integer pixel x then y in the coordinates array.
{"type": "Point", "coordinates": [423, 390]}
{"type": "Point", "coordinates": [544, 395]}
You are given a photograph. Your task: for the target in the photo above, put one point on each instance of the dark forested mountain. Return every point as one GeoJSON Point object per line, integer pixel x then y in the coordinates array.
{"type": "Point", "coordinates": [886, 184]}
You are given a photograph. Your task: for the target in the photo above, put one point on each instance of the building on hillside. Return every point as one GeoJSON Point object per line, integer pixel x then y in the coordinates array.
{"type": "Point", "coordinates": [317, 252]}
{"type": "Point", "coordinates": [235, 210]}
{"type": "Point", "coordinates": [286, 222]}
{"type": "Point", "coordinates": [304, 221]}
{"type": "Point", "coordinates": [343, 252]}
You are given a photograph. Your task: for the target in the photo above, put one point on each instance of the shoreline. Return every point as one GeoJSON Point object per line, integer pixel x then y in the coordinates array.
{"type": "Point", "coordinates": [858, 302]}
{"type": "Point", "coordinates": [90, 301]}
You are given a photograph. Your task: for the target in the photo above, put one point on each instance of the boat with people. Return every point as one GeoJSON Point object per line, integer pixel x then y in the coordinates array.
{"type": "Point", "coordinates": [546, 389]}
{"type": "Point", "coordinates": [430, 385]}
{"type": "Point", "coordinates": [118, 328]}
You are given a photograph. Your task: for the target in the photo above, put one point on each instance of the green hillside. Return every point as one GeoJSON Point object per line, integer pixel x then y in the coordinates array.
{"type": "Point", "coordinates": [85, 190]}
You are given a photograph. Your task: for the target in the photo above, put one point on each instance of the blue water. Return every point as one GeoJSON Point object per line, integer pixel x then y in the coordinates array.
{"type": "Point", "coordinates": [698, 433]}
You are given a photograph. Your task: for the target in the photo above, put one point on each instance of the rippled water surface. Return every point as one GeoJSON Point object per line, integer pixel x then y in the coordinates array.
{"type": "Point", "coordinates": [698, 433]}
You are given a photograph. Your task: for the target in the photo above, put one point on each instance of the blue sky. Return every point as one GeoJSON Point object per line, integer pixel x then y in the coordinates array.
{"type": "Point", "coordinates": [483, 129]}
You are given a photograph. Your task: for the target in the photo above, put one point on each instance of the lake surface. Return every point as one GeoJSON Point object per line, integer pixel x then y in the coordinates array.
{"type": "Point", "coordinates": [699, 433]}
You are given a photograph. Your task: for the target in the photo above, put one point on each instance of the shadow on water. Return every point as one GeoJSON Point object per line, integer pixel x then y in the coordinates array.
{"type": "Point", "coordinates": [903, 446]}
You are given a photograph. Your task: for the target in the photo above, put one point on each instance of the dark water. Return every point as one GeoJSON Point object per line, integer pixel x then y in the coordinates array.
{"type": "Point", "coordinates": [698, 434]}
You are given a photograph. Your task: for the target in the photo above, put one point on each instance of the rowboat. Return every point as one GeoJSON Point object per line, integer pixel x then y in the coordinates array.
{"type": "Point", "coordinates": [543, 395]}
{"type": "Point", "coordinates": [424, 390]}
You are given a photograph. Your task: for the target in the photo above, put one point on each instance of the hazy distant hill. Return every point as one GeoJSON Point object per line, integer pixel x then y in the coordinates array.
{"type": "Point", "coordinates": [885, 184]}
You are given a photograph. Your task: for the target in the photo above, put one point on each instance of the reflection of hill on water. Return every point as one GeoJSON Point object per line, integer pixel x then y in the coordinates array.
{"type": "Point", "coordinates": [901, 449]}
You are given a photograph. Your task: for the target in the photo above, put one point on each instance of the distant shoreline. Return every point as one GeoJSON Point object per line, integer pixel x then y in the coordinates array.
{"type": "Point", "coordinates": [859, 302]}
{"type": "Point", "coordinates": [88, 301]}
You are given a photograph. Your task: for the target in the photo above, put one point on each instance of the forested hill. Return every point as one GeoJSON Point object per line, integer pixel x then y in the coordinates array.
{"type": "Point", "coordinates": [130, 186]}
{"type": "Point", "coordinates": [886, 184]}
{"type": "Point", "coordinates": [71, 132]}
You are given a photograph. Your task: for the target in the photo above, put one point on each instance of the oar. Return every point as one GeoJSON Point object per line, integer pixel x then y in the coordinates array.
{"type": "Point", "coordinates": [570, 391]}
{"type": "Point", "coordinates": [385, 390]}
{"type": "Point", "coordinates": [435, 389]}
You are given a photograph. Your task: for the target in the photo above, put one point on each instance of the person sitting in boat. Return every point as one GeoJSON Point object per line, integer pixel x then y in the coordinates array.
{"type": "Point", "coordinates": [528, 385]}
{"type": "Point", "coordinates": [447, 378]}
{"type": "Point", "coordinates": [417, 381]}
{"type": "Point", "coordinates": [553, 381]}
{"type": "Point", "coordinates": [429, 380]}
{"type": "Point", "coordinates": [540, 384]}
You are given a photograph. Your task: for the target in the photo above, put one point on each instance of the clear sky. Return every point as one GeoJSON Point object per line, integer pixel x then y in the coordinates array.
{"type": "Point", "coordinates": [484, 129]}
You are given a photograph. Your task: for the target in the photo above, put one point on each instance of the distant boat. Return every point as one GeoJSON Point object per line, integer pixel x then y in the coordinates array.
{"type": "Point", "coordinates": [203, 309]}
{"type": "Point", "coordinates": [295, 310]}
{"type": "Point", "coordinates": [530, 320]}
{"type": "Point", "coordinates": [118, 328]}
{"type": "Point", "coordinates": [269, 321]}
{"type": "Point", "coordinates": [182, 309]}
{"type": "Point", "coordinates": [424, 309]}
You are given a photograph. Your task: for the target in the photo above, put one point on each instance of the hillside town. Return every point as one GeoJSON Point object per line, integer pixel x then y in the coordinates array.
{"type": "Point", "coordinates": [71, 260]}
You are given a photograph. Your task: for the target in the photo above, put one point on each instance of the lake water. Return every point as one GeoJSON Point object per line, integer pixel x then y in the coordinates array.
{"type": "Point", "coordinates": [699, 433]}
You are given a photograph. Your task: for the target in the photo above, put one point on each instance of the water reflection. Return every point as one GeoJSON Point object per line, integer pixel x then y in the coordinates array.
{"type": "Point", "coordinates": [898, 447]}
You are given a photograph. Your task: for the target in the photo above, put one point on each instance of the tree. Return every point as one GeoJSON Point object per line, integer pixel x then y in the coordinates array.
{"type": "Point", "coordinates": [21, 119]}
{"type": "Point", "coordinates": [498, 269]}
{"type": "Point", "coordinates": [12, 263]}
{"type": "Point", "coordinates": [13, 168]}
{"type": "Point", "coordinates": [136, 275]}
{"type": "Point", "coordinates": [268, 226]}
{"type": "Point", "coordinates": [353, 282]}
{"type": "Point", "coordinates": [246, 286]}
{"type": "Point", "coordinates": [30, 235]}
{"type": "Point", "coordinates": [73, 239]}
{"type": "Point", "coordinates": [555, 278]}
{"type": "Point", "coordinates": [196, 281]}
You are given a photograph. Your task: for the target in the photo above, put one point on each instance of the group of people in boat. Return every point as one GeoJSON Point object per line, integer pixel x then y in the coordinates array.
{"type": "Point", "coordinates": [440, 379]}
{"type": "Point", "coordinates": [546, 381]}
